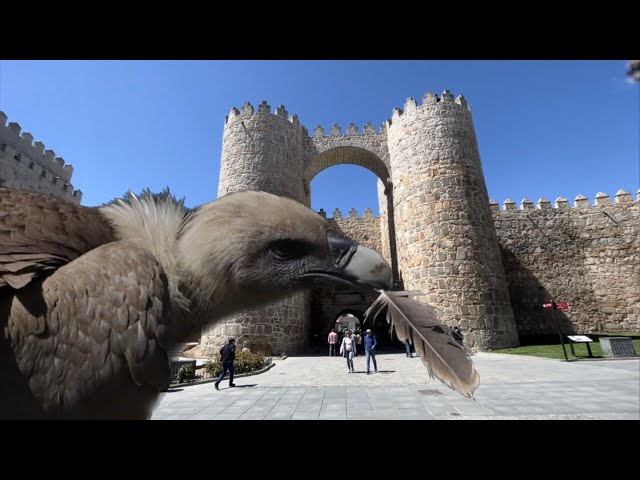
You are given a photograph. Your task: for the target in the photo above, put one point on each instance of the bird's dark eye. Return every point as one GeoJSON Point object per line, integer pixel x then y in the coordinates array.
{"type": "Point", "coordinates": [289, 249]}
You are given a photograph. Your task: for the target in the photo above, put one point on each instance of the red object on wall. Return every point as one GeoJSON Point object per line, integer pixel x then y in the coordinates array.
{"type": "Point", "coordinates": [558, 305]}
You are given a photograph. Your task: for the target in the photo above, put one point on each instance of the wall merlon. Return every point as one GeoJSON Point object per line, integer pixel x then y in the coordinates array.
{"type": "Point", "coordinates": [281, 111]}
{"type": "Point", "coordinates": [581, 201]}
{"type": "Point", "coordinates": [526, 204]}
{"type": "Point", "coordinates": [319, 131]}
{"type": "Point", "coordinates": [509, 205]}
{"type": "Point", "coordinates": [352, 129]}
{"type": "Point", "coordinates": [49, 155]}
{"type": "Point", "coordinates": [623, 196]}
{"type": "Point", "coordinates": [447, 97]}
{"type": "Point", "coordinates": [15, 128]}
{"type": "Point", "coordinates": [410, 105]}
{"type": "Point", "coordinates": [495, 206]}
{"type": "Point", "coordinates": [368, 213]}
{"type": "Point", "coordinates": [429, 98]}
{"type": "Point", "coordinates": [68, 170]}
{"type": "Point", "coordinates": [247, 109]}
{"type": "Point", "coordinates": [397, 113]}
{"type": "Point", "coordinates": [638, 194]}
{"type": "Point", "coordinates": [369, 129]}
{"type": "Point", "coordinates": [336, 131]}
{"type": "Point", "coordinates": [353, 213]}
{"type": "Point", "coordinates": [460, 100]}
{"type": "Point", "coordinates": [28, 138]}
{"type": "Point", "coordinates": [544, 204]}
{"type": "Point", "coordinates": [602, 199]}
{"type": "Point", "coordinates": [3, 119]}
{"type": "Point", "coordinates": [322, 213]}
{"type": "Point", "coordinates": [561, 203]}
{"type": "Point", "coordinates": [264, 107]}
{"type": "Point", "coordinates": [39, 146]}
{"type": "Point", "coordinates": [337, 213]}
{"type": "Point", "coordinates": [234, 112]}
{"type": "Point", "coordinates": [77, 194]}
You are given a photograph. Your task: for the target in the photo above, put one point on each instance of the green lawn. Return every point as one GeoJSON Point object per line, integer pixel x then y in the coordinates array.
{"type": "Point", "coordinates": [555, 351]}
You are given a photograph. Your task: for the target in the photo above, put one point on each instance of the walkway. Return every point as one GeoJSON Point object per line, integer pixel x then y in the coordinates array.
{"type": "Point", "coordinates": [512, 387]}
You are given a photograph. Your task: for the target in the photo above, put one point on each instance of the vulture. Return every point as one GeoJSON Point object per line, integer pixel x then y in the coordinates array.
{"type": "Point", "coordinates": [93, 298]}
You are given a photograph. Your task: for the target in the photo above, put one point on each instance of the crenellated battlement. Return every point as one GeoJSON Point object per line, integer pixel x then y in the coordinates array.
{"type": "Point", "coordinates": [429, 101]}
{"type": "Point", "coordinates": [28, 164]}
{"type": "Point", "coordinates": [264, 108]}
{"type": "Point", "coordinates": [353, 213]}
{"type": "Point", "coordinates": [621, 197]}
{"type": "Point", "coordinates": [352, 130]}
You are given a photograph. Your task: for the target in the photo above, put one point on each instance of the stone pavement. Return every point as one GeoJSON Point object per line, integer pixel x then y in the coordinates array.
{"type": "Point", "coordinates": [511, 387]}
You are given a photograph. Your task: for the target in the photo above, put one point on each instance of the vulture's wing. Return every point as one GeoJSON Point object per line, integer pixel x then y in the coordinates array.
{"type": "Point", "coordinates": [91, 339]}
{"type": "Point", "coordinates": [418, 322]}
{"type": "Point", "coordinates": [39, 233]}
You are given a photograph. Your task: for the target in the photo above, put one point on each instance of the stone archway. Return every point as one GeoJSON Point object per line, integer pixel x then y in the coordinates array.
{"type": "Point", "coordinates": [327, 152]}
{"type": "Point", "coordinates": [369, 152]}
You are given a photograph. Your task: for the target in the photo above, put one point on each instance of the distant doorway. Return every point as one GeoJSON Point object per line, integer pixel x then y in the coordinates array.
{"type": "Point", "coordinates": [347, 321]}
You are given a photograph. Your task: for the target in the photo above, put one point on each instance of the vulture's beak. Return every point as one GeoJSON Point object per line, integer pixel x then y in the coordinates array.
{"type": "Point", "coordinates": [359, 264]}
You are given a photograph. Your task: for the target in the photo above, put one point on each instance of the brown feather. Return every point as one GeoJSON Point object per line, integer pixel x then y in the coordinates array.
{"type": "Point", "coordinates": [40, 233]}
{"type": "Point", "coordinates": [444, 358]}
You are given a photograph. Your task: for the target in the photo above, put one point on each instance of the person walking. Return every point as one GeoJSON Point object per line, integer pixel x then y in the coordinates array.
{"type": "Point", "coordinates": [348, 348]}
{"type": "Point", "coordinates": [370, 344]}
{"type": "Point", "coordinates": [407, 347]}
{"type": "Point", "coordinates": [227, 356]}
{"type": "Point", "coordinates": [332, 340]}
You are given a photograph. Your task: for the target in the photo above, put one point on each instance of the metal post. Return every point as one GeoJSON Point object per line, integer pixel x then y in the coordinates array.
{"type": "Point", "coordinates": [555, 313]}
{"type": "Point", "coordinates": [589, 350]}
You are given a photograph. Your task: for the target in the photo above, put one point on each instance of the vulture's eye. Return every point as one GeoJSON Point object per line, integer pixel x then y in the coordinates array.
{"type": "Point", "coordinates": [289, 249]}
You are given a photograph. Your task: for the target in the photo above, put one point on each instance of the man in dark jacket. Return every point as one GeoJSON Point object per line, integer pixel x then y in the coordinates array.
{"type": "Point", "coordinates": [227, 356]}
{"type": "Point", "coordinates": [370, 344]}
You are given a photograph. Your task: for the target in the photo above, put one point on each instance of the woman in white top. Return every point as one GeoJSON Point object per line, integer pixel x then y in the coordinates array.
{"type": "Point", "coordinates": [347, 349]}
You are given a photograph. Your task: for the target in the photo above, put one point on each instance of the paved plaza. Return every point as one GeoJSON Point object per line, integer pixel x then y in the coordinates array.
{"type": "Point", "coordinates": [511, 387]}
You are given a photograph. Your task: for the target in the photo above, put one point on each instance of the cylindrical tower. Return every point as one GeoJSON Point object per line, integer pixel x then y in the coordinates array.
{"type": "Point", "coordinates": [262, 151]}
{"type": "Point", "coordinates": [446, 240]}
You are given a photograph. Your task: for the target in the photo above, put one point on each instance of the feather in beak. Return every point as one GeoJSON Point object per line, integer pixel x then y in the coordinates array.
{"type": "Point", "coordinates": [444, 358]}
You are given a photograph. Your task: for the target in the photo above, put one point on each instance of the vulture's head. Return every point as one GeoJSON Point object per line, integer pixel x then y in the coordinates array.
{"type": "Point", "coordinates": [261, 246]}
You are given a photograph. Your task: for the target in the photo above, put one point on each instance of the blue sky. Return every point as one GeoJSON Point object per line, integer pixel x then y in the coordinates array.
{"type": "Point", "coordinates": [544, 128]}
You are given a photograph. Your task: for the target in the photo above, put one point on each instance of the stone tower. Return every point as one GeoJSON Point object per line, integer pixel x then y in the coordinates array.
{"type": "Point", "coordinates": [446, 240]}
{"type": "Point", "coordinates": [263, 151]}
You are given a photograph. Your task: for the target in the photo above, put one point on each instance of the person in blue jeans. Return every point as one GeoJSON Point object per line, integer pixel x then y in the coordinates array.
{"type": "Point", "coordinates": [348, 350]}
{"type": "Point", "coordinates": [370, 344]}
{"type": "Point", "coordinates": [407, 347]}
{"type": "Point", "coordinates": [227, 356]}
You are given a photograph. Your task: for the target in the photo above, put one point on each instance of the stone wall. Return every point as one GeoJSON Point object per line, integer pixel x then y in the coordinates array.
{"type": "Point", "coordinates": [365, 230]}
{"type": "Point", "coordinates": [26, 165]}
{"type": "Point", "coordinates": [282, 327]}
{"type": "Point", "coordinates": [587, 256]}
